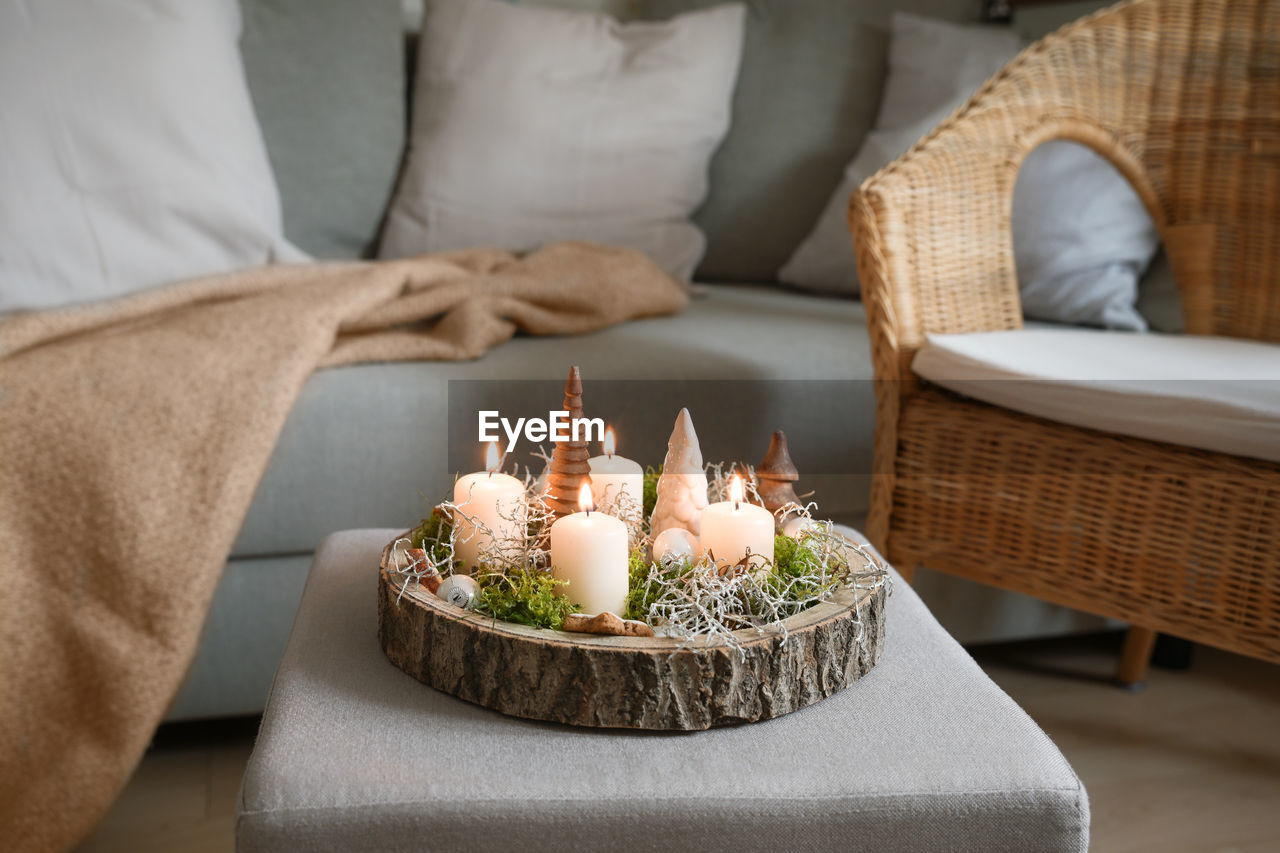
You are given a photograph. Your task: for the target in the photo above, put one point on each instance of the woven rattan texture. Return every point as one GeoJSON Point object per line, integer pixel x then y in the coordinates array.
{"type": "Point", "coordinates": [1183, 96]}
{"type": "Point", "coordinates": [1181, 539]}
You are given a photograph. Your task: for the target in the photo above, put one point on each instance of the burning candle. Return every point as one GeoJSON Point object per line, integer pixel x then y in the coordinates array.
{"type": "Point", "coordinates": [490, 506]}
{"type": "Point", "coordinates": [589, 550]}
{"type": "Point", "coordinates": [734, 529]}
{"type": "Point", "coordinates": [613, 475]}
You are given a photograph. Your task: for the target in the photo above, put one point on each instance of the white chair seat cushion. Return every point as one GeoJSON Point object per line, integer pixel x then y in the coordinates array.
{"type": "Point", "coordinates": [1214, 393]}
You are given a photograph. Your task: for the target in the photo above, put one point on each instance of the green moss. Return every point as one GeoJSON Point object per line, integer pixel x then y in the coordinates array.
{"type": "Point", "coordinates": [651, 475]}
{"type": "Point", "coordinates": [527, 598]}
{"type": "Point", "coordinates": [791, 560]}
{"type": "Point", "coordinates": [640, 592]}
{"type": "Point", "coordinates": [531, 597]}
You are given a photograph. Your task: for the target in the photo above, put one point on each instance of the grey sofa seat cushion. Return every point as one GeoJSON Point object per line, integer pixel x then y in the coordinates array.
{"type": "Point", "coordinates": [808, 89]}
{"type": "Point", "coordinates": [243, 637]}
{"type": "Point", "coordinates": [370, 444]}
{"type": "Point", "coordinates": [328, 84]}
{"type": "Point", "coordinates": [924, 753]}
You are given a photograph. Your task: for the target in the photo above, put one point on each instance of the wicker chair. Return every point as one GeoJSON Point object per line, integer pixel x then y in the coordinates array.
{"type": "Point", "coordinates": [1183, 97]}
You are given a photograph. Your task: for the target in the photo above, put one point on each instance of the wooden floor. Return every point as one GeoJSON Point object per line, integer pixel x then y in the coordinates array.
{"type": "Point", "coordinates": [1192, 763]}
{"type": "Point", "coordinates": [183, 795]}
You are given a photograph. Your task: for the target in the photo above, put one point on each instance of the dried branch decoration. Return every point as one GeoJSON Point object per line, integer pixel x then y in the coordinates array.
{"type": "Point", "coordinates": [682, 488]}
{"type": "Point", "coordinates": [569, 467]}
{"type": "Point", "coordinates": [687, 597]}
{"type": "Point", "coordinates": [703, 606]}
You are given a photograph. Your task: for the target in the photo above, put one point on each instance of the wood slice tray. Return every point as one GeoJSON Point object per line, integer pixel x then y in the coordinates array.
{"type": "Point", "coordinates": [627, 682]}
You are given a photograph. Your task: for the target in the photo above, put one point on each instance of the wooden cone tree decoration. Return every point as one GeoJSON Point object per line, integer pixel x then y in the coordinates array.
{"type": "Point", "coordinates": [776, 475]}
{"type": "Point", "coordinates": [569, 467]}
{"type": "Point", "coordinates": [682, 488]}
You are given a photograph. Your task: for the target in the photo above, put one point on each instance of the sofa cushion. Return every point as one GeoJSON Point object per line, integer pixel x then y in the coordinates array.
{"type": "Point", "coordinates": [129, 152]}
{"type": "Point", "coordinates": [328, 83]}
{"type": "Point", "coordinates": [1081, 235]}
{"type": "Point", "coordinates": [924, 753]}
{"type": "Point", "coordinates": [367, 444]}
{"type": "Point", "coordinates": [807, 93]}
{"type": "Point", "coordinates": [1159, 301]}
{"type": "Point", "coordinates": [535, 125]}
{"type": "Point", "coordinates": [1213, 393]}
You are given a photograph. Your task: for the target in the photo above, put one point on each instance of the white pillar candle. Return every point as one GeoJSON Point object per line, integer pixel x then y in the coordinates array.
{"type": "Point", "coordinates": [731, 529]}
{"type": "Point", "coordinates": [490, 506]}
{"type": "Point", "coordinates": [589, 550]}
{"type": "Point", "coordinates": [613, 475]}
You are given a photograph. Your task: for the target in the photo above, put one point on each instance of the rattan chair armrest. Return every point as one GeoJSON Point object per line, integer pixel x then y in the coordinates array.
{"type": "Point", "coordinates": [933, 239]}
{"type": "Point", "coordinates": [932, 230]}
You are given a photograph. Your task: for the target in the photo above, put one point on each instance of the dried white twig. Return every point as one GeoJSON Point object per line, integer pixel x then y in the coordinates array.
{"type": "Point", "coordinates": [694, 601]}
{"type": "Point", "coordinates": [410, 567]}
{"type": "Point", "coordinates": [702, 605]}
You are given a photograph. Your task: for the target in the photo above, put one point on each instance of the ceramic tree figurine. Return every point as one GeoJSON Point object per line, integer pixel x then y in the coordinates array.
{"type": "Point", "coordinates": [776, 475]}
{"type": "Point", "coordinates": [682, 488]}
{"type": "Point", "coordinates": [569, 467]}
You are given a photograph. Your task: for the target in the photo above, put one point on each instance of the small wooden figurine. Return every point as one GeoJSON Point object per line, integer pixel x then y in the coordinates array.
{"type": "Point", "coordinates": [682, 488]}
{"type": "Point", "coordinates": [569, 466]}
{"type": "Point", "coordinates": [776, 475]}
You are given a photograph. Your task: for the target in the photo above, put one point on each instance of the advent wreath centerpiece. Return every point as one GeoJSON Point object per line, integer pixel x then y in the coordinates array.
{"type": "Point", "coordinates": [602, 594]}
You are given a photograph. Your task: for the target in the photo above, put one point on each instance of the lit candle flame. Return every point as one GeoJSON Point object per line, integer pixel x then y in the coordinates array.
{"type": "Point", "coordinates": [492, 459]}
{"type": "Point", "coordinates": [735, 490]}
{"type": "Point", "coordinates": [610, 444]}
{"type": "Point", "coordinates": [585, 501]}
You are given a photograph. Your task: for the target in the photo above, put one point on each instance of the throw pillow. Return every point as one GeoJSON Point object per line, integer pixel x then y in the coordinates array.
{"type": "Point", "coordinates": [1158, 298]}
{"type": "Point", "coordinates": [535, 125]}
{"type": "Point", "coordinates": [1082, 236]}
{"type": "Point", "coordinates": [328, 82]}
{"type": "Point", "coordinates": [129, 152]}
{"type": "Point", "coordinates": [812, 73]}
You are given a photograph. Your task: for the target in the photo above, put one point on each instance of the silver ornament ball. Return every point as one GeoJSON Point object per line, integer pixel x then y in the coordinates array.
{"type": "Point", "coordinates": [796, 526]}
{"type": "Point", "coordinates": [461, 590]}
{"type": "Point", "coordinates": [675, 545]}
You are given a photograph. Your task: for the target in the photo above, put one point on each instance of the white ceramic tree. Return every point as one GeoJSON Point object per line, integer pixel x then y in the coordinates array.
{"type": "Point", "coordinates": [682, 488]}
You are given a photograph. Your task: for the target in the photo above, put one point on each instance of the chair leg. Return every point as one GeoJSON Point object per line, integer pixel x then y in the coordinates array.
{"type": "Point", "coordinates": [1136, 656]}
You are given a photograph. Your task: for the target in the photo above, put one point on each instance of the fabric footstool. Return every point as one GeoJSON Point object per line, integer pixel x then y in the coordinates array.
{"type": "Point", "coordinates": [924, 753]}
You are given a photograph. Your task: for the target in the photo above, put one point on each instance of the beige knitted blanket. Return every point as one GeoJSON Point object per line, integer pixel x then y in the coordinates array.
{"type": "Point", "coordinates": [132, 437]}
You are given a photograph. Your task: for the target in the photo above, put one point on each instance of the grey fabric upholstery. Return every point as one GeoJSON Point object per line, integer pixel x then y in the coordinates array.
{"type": "Point", "coordinates": [371, 439]}
{"type": "Point", "coordinates": [924, 753]}
{"type": "Point", "coordinates": [328, 84]}
{"type": "Point", "coordinates": [243, 638]}
{"type": "Point", "coordinates": [807, 94]}
{"type": "Point", "coordinates": [367, 445]}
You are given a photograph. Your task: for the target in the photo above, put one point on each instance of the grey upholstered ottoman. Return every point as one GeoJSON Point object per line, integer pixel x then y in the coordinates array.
{"type": "Point", "coordinates": [924, 753]}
